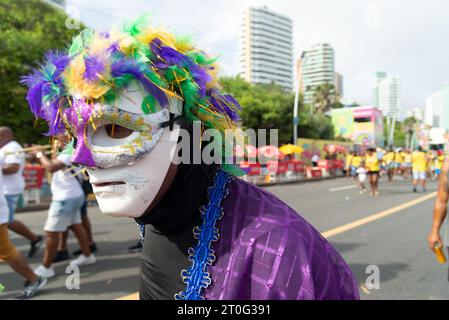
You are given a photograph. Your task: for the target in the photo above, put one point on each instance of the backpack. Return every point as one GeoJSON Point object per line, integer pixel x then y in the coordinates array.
{"type": "Point", "coordinates": [83, 180]}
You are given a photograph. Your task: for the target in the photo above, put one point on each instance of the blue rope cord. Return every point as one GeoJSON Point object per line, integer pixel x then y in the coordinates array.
{"type": "Point", "coordinates": [196, 276]}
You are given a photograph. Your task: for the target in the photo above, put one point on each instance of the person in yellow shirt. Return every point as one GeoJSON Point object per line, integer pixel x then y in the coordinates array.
{"type": "Point", "coordinates": [348, 160]}
{"type": "Point", "coordinates": [372, 166]}
{"type": "Point", "coordinates": [439, 162]}
{"type": "Point", "coordinates": [388, 160]}
{"type": "Point", "coordinates": [398, 162]}
{"type": "Point", "coordinates": [419, 168]}
{"type": "Point", "coordinates": [355, 165]}
{"type": "Point", "coordinates": [407, 165]}
{"type": "Point", "coordinates": [431, 157]}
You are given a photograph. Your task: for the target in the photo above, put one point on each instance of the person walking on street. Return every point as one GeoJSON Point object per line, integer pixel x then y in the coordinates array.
{"type": "Point", "coordinates": [348, 159]}
{"type": "Point", "coordinates": [407, 164]}
{"type": "Point", "coordinates": [439, 162]}
{"type": "Point", "coordinates": [63, 254]}
{"type": "Point", "coordinates": [419, 167]}
{"type": "Point", "coordinates": [10, 255]}
{"type": "Point", "coordinates": [355, 166]}
{"type": "Point", "coordinates": [372, 165]}
{"type": "Point", "coordinates": [388, 158]}
{"type": "Point", "coordinates": [14, 186]}
{"type": "Point", "coordinates": [398, 163]}
{"type": "Point", "coordinates": [64, 212]}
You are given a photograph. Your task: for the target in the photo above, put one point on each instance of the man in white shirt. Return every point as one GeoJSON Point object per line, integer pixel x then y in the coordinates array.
{"type": "Point", "coordinates": [14, 258]}
{"type": "Point", "coordinates": [64, 212]}
{"type": "Point", "coordinates": [14, 185]}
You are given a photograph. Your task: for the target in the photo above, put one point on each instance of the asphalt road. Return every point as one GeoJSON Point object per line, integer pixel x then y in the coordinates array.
{"type": "Point", "coordinates": [393, 242]}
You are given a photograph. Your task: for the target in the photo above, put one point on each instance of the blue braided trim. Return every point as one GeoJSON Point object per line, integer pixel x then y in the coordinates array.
{"type": "Point", "coordinates": [141, 233]}
{"type": "Point", "coordinates": [196, 276]}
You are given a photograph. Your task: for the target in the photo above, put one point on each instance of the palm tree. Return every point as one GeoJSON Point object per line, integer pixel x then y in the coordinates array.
{"type": "Point", "coordinates": [408, 128]}
{"type": "Point", "coordinates": [325, 98]}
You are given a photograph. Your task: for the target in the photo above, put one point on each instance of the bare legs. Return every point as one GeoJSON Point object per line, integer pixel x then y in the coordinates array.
{"type": "Point", "coordinates": [374, 182]}
{"type": "Point", "coordinates": [20, 265]}
{"type": "Point", "coordinates": [21, 229]}
{"type": "Point", "coordinates": [53, 238]}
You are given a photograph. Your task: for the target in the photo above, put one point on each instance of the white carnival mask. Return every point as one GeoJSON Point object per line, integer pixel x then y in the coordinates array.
{"type": "Point", "coordinates": [126, 167]}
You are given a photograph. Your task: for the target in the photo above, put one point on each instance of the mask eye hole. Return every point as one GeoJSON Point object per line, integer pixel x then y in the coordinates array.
{"type": "Point", "coordinates": [115, 131]}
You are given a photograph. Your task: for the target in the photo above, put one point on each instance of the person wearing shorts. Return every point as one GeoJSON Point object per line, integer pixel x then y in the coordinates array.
{"type": "Point", "coordinates": [10, 255]}
{"type": "Point", "coordinates": [64, 213]}
{"type": "Point", "coordinates": [388, 158]}
{"type": "Point", "coordinates": [372, 165]}
{"type": "Point", "coordinates": [419, 168]}
{"type": "Point", "coordinates": [13, 161]}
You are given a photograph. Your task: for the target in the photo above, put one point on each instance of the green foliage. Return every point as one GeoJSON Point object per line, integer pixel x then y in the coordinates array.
{"type": "Point", "coordinates": [28, 29]}
{"type": "Point", "coordinates": [267, 106]}
{"type": "Point", "coordinates": [325, 98]}
{"type": "Point", "coordinates": [402, 132]}
{"type": "Point", "coordinates": [315, 125]}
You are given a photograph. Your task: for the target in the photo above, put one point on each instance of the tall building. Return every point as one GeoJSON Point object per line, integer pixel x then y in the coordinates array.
{"type": "Point", "coordinates": [377, 79]}
{"type": "Point", "coordinates": [437, 109]}
{"type": "Point", "coordinates": [386, 94]}
{"type": "Point", "coordinates": [317, 68]}
{"type": "Point", "coordinates": [267, 48]}
{"type": "Point", "coordinates": [338, 83]}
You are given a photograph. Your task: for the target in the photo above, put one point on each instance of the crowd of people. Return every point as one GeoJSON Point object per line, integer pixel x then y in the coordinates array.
{"type": "Point", "coordinates": [68, 211]}
{"type": "Point", "coordinates": [399, 163]}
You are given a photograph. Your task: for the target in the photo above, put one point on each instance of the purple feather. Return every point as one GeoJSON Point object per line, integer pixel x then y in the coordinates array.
{"type": "Point", "coordinates": [128, 67]}
{"type": "Point", "coordinates": [94, 67]}
{"type": "Point", "coordinates": [170, 57]}
{"type": "Point", "coordinates": [46, 89]}
{"type": "Point", "coordinates": [224, 103]}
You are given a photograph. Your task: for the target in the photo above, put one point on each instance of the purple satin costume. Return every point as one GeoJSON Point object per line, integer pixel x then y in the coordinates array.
{"type": "Point", "coordinates": [267, 251]}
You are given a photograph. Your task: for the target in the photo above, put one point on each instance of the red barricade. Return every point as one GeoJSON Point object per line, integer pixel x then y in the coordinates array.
{"type": "Point", "coordinates": [295, 165]}
{"type": "Point", "coordinates": [326, 164]}
{"type": "Point", "coordinates": [277, 167]}
{"type": "Point", "coordinates": [34, 177]}
{"type": "Point", "coordinates": [339, 164]}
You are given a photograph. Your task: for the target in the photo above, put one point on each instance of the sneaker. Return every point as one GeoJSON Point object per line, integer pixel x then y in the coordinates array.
{"type": "Point", "coordinates": [93, 249]}
{"type": "Point", "coordinates": [82, 260]}
{"type": "Point", "coordinates": [136, 248]}
{"type": "Point", "coordinates": [35, 246]}
{"type": "Point", "coordinates": [31, 289]}
{"type": "Point", "coordinates": [43, 272]}
{"type": "Point", "coordinates": [61, 256]}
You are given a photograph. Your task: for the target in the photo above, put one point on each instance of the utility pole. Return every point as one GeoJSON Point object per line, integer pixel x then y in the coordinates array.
{"type": "Point", "coordinates": [295, 113]}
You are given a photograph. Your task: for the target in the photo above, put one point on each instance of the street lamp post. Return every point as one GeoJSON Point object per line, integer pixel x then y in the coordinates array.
{"type": "Point", "coordinates": [295, 114]}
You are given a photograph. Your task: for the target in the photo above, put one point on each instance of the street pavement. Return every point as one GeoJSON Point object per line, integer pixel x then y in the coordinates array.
{"type": "Point", "coordinates": [393, 240]}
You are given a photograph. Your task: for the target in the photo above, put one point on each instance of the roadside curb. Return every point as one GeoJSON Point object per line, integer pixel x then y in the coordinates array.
{"type": "Point", "coordinates": [298, 181]}
{"type": "Point", "coordinates": [46, 205]}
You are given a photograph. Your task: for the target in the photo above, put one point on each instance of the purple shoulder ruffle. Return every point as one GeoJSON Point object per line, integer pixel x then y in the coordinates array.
{"type": "Point", "coordinates": [267, 251]}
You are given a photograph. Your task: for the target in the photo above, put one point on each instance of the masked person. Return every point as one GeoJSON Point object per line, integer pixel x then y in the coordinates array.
{"type": "Point", "coordinates": [132, 97]}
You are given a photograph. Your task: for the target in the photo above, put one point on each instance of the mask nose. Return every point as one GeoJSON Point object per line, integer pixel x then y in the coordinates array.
{"type": "Point", "coordinates": [82, 154]}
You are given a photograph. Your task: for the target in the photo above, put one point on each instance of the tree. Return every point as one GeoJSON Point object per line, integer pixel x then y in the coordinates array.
{"type": "Point", "coordinates": [268, 106]}
{"type": "Point", "coordinates": [325, 98]}
{"type": "Point", "coordinates": [408, 129]}
{"type": "Point", "coordinates": [399, 136]}
{"type": "Point", "coordinates": [28, 29]}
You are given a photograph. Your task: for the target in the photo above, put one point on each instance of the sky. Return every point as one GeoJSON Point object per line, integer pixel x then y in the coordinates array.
{"type": "Point", "coordinates": [405, 38]}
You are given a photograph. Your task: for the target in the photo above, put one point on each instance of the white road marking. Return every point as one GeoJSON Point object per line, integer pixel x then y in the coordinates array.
{"type": "Point", "coordinates": [342, 188]}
